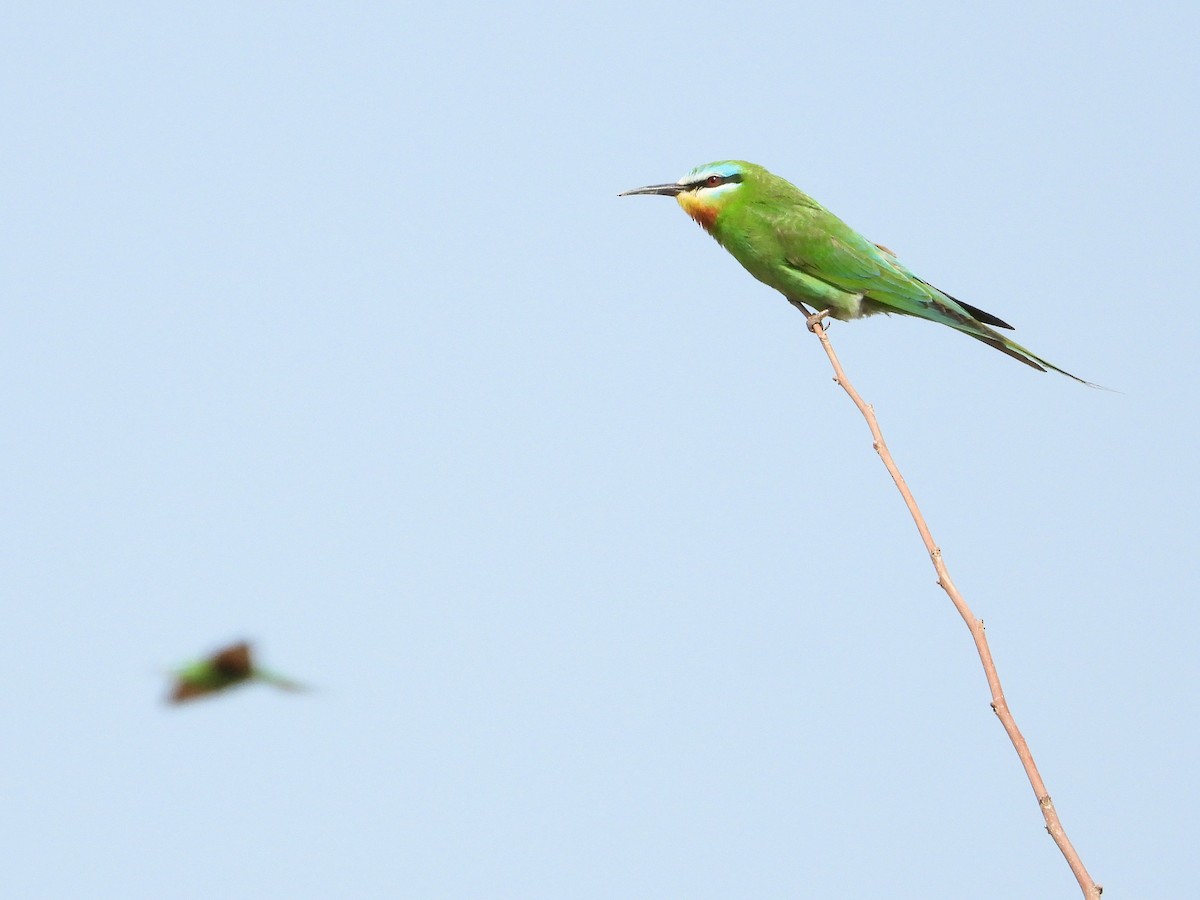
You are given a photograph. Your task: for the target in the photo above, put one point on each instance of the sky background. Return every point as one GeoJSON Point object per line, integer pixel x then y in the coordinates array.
{"type": "Point", "coordinates": [324, 327]}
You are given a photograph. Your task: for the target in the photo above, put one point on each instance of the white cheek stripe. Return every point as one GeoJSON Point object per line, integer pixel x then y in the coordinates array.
{"type": "Point", "coordinates": [720, 189]}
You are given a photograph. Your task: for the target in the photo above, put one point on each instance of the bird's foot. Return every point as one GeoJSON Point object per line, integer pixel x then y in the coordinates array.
{"type": "Point", "coordinates": [816, 319]}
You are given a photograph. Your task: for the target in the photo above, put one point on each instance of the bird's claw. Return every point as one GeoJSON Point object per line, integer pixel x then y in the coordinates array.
{"type": "Point", "coordinates": [816, 319]}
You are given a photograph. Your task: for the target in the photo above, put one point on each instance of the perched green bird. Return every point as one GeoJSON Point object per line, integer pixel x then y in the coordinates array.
{"type": "Point", "coordinates": [224, 669]}
{"type": "Point", "coordinates": [789, 241]}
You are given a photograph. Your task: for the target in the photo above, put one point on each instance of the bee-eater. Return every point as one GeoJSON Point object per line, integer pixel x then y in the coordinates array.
{"type": "Point", "coordinates": [789, 241]}
{"type": "Point", "coordinates": [224, 669]}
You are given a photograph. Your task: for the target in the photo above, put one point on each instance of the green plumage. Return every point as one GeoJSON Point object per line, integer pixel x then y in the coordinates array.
{"type": "Point", "coordinates": [788, 240]}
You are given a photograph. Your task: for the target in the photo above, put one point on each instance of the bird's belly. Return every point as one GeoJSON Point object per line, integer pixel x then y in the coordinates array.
{"type": "Point", "coordinates": [800, 287]}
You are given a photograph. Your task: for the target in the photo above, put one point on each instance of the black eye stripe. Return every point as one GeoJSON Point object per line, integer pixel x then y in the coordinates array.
{"type": "Point", "coordinates": [735, 178]}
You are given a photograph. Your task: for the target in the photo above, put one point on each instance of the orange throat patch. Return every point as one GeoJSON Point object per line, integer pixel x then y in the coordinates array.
{"type": "Point", "coordinates": [704, 214]}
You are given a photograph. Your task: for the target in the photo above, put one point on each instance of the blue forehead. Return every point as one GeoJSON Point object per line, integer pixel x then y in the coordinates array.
{"type": "Point", "coordinates": [724, 169]}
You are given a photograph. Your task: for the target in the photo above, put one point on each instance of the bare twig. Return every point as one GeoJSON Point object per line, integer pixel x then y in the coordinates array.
{"type": "Point", "coordinates": [1091, 890]}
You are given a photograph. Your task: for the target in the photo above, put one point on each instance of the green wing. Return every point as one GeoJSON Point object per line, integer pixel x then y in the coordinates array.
{"type": "Point", "coordinates": [820, 245]}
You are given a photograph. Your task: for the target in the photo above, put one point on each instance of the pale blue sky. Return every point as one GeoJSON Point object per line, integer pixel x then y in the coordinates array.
{"type": "Point", "coordinates": [325, 327]}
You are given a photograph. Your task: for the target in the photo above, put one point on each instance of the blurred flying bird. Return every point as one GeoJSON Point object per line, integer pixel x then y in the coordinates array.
{"type": "Point", "coordinates": [226, 668]}
{"type": "Point", "coordinates": [790, 242]}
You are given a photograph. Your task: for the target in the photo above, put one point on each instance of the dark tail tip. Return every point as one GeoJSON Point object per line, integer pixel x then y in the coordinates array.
{"type": "Point", "coordinates": [985, 317]}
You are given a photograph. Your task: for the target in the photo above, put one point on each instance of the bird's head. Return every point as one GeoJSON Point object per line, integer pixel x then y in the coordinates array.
{"type": "Point", "coordinates": [708, 190]}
